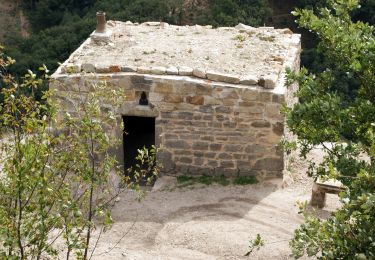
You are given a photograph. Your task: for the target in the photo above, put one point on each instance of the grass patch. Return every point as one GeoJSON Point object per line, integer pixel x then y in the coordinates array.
{"type": "Point", "coordinates": [214, 179]}
{"type": "Point", "coordinates": [186, 180]}
{"type": "Point", "coordinates": [245, 180]}
{"type": "Point", "coordinates": [240, 37]}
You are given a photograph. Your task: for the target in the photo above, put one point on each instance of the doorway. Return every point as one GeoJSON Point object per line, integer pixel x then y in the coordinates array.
{"type": "Point", "coordinates": [139, 132]}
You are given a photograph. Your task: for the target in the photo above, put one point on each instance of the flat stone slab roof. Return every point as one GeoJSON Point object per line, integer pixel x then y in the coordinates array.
{"type": "Point", "coordinates": [237, 55]}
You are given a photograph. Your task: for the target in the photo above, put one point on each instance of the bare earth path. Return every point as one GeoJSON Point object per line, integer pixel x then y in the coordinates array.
{"type": "Point", "coordinates": [208, 222]}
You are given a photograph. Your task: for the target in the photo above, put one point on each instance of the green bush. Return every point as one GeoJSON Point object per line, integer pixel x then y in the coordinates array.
{"type": "Point", "coordinates": [326, 114]}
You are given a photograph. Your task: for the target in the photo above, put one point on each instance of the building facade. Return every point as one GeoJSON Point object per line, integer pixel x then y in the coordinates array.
{"type": "Point", "coordinates": [209, 98]}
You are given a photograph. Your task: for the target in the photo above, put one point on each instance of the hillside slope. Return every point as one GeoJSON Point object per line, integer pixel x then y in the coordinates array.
{"type": "Point", "coordinates": [12, 19]}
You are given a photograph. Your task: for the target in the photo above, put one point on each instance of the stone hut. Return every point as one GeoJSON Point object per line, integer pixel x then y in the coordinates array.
{"type": "Point", "coordinates": [210, 98]}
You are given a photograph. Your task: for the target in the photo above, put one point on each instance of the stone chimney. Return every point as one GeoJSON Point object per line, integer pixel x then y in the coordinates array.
{"type": "Point", "coordinates": [101, 34]}
{"type": "Point", "coordinates": [100, 22]}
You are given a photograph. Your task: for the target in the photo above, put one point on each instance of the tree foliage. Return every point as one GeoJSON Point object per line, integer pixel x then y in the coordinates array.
{"type": "Point", "coordinates": [59, 27]}
{"type": "Point", "coordinates": [232, 12]}
{"type": "Point", "coordinates": [326, 114]}
{"type": "Point", "coordinates": [55, 179]}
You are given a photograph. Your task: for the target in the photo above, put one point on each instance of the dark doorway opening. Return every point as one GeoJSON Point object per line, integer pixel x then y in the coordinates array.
{"type": "Point", "coordinates": [139, 132]}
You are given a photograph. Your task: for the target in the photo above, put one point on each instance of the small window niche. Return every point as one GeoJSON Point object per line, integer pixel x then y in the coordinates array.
{"type": "Point", "coordinates": [143, 101]}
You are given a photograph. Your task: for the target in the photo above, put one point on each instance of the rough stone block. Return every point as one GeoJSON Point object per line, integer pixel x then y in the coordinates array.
{"type": "Point", "coordinates": [256, 149]}
{"type": "Point", "coordinates": [239, 156]}
{"type": "Point", "coordinates": [222, 109]}
{"type": "Point", "coordinates": [244, 28]}
{"type": "Point", "coordinates": [200, 146]}
{"type": "Point", "coordinates": [207, 117]}
{"type": "Point", "coordinates": [227, 164]}
{"type": "Point", "coordinates": [199, 161]}
{"type": "Point", "coordinates": [167, 115]}
{"type": "Point", "coordinates": [185, 71]}
{"type": "Point", "coordinates": [197, 117]}
{"type": "Point", "coordinates": [88, 67]}
{"type": "Point", "coordinates": [155, 97]}
{"type": "Point", "coordinates": [198, 154]}
{"type": "Point", "coordinates": [261, 124]}
{"type": "Point", "coordinates": [229, 94]}
{"type": "Point", "coordinates": [221, 138]}
{"type": "Point", "coordinates": [276, 98]}
{"type": "Point", "coordinates": [233, 148]}
{"type": "Point", "coordinates": [245, 112]}
{"type": "Point", "coordinates": [162, 87]}
{"type": "Point", "coordinates": [200, 73]}
{"type": "Point", "coordinates": [102, 68]}
{"type": "Point", "coordinates": [100, 38]}
{"type": "Point", "coordinates": [249, 95]}
{"type": "Point", "coordinates": [269, 164]}
{"type": "Point", "coordinates": [125, 83]}
{"type": "Point", "coordinates": [224, 156]}
{"type": "Point", "coordinates": [225, 171]}
{"type": "Point", "coordinates": [172, 71]}
{"type": "Point", "coordinates": [173, 98]}
{"type": "Point", "coordinates": [165, 157]}
{"type": "Point", "coordinates": [202, 89]}
{"type": "Point", "coordinates": [207, 138]}
{"type": "Point", "coordinates": [250, 104]}
{"type": "Point", "coordinates": [72, 68]}
{"type": "Point", "coordinates": [265, 97]}
{"type": "Point", "coordinates": [151, 23]}
{"type": "Point", "coordinates": [244, 167]}
{"type": "Point", "coordinates": [318, 197]}
{"type": "Point", "coordinates": [177, 144]}
{"type": "Point", "coordinates": [220, 117]}
{"type": "Point", "coordinates": [198, 124]}
{"type": "Point", "coordinates": [273, 111]}
{"type": "Point", "coordinates": [212, 163]}
{"type": "Point", "coordinates": [216, 76]}
{"type": "Point", "coordinates": [195, 100]}
{"type": "Point", "coordinates": [184, 88]}
{"type": "Point", "coordinates": [144, 70]}
{"type": "Point", "coordinates": [223, 77]}
{"type": "Point", "coordinates": [185, 160]}
{"type": "Point", "coordinates": [170, 136]}
{"type": "Point", "coordinates": [212, 101]}
{"type": "Point", "coordinates": [158, 70]}
{"type": "Point", "coordinates": [229, 124]}
{"type": "Point", "coordinates": [129, 95]}
{"type": "Point", "coordinates": [210, 155]}
{"type": "Point", "coordinates": [249, 80]}
{"type": "Point", "coordinates": [206, 109]}
{"type": "Point", "coordinates": [140, 82]}
{"type": "Point", "coordinates": [185, 115]}
{"type": "Point", "coordinates": [128, 68]}
{"type": "Point", "coordinates": [278, 128]}
{"type": "Point", "coordinates": [269, 139]}
{"type": "Point", "coordinates": [268, 81]}
{"type": "Point", "coordinates": [114, 68]}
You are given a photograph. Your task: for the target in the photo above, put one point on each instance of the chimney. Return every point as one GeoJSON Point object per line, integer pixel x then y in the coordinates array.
{"type": "Point", "coordinates": [101, 34]}
{"type": "Point", "coordinates": [100, 22]}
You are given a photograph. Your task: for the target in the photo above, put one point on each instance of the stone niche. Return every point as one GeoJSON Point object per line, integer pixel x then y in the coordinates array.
{"type": "Point", "coordinates": [206, 120]}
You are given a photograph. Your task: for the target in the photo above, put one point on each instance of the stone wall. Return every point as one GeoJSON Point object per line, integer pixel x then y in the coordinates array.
{"type": "Point", "coordinates": [290, 100]}
{"type": "Point", "coordinates": [202, 127]}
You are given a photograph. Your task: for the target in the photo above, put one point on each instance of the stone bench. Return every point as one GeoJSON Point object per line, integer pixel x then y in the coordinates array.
{"type": "Point", "coordinates": [319, 190]}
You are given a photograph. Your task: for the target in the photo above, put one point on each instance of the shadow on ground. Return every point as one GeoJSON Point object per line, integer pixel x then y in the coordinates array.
{"type": "Point", "coordinates": [207, 222]}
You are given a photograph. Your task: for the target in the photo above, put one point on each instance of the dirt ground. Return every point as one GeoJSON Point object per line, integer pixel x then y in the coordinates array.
{"type": "Point", "coordinates": [209, 222]}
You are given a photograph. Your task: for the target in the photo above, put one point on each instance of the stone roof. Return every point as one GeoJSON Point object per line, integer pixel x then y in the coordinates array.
{"type": "Point", "coordinates": [237, 55]}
